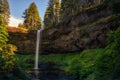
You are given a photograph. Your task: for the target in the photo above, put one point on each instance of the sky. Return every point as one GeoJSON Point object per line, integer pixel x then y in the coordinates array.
{"type": "Point", "coordinates": [17, 7]}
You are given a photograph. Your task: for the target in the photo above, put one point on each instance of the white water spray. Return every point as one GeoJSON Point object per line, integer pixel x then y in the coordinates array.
{"type": "Point", "coordinates": [37, 48]}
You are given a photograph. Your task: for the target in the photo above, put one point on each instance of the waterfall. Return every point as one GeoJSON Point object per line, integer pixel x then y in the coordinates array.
{"type": "Point", "coordinates": [37, 48]}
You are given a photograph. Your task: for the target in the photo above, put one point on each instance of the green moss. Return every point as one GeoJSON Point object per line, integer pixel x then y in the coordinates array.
{"type": "Point", "coordinates": [86, 40]}
{"type": "Point", "coordinates": [106, 20]}
{"type": "Point", "coordinates": [93, 7]}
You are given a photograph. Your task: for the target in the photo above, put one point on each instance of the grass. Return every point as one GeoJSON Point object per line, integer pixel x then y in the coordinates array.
{"type": "Point", "coordinates": [62, 59]}
{"type": "Point", "coordinates": [48, 58]}
{"type": "Point", "coordinates": [87, 58]}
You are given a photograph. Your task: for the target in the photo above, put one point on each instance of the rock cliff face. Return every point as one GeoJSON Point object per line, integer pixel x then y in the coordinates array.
{"type": "Point", "coordinates": [87, 30]}
{"type": "Point", "coordinates": [87, 3]}
{"type": "Point", "coordinates": [25, 42]}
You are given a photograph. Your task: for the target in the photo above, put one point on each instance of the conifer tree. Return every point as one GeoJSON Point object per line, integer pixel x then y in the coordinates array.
{"type": "Point", "coordinates": [70, 8]}
{"type": "Point", "coordinates": [52, 13]}
{"type": "Point", "coordinates": [57, 10]}
{"type": "Point", "coordinates": [6, 14]}
{"type": "Point", "coordinates": [32, 19]}
{"type": "Point", "coordinates": [5, 11]}
{"type": "Point", "coordinates": [49, 14]}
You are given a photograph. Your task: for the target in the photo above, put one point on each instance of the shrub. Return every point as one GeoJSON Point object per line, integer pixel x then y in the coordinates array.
{"type": "Point", "coordinates": [7, 57]}
{"type": "Point", "coordinates": [108, 64]}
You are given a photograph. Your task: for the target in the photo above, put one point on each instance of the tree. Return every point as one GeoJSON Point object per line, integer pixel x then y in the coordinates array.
{"type": "Point", "coordinates": [49, 15]}
{"type": "Point", "coordinates": [1, 6]}
{"type": "Point", "coordinates": [69, 8]}
{"type": "Point", "coordinates": [6, 14]}
{"type": "Point", "coordinates": [6, 50]}
{"type": "Point", "coordinates": [20, 25]}
{"type": "Point", "coordinates": [9, 67]}
{"type": "Point", "coordinates": [8, 59]}
{"type": "Point", "coordinates": [5, 11]}
{"type": "Point", "coordinates": [57, 10]}
{"type": "Point", "coordinates": [52, 13]}
{"type": "Point", "coordinates": [32, 19]}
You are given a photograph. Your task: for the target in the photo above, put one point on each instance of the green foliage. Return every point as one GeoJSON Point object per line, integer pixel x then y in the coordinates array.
{"type": "Point", "coordinates": [80, 66]}
{"type": "Point", "coordinates": [74, 68]}
{"type": "Point", "coordinates": [9, 70]}
{"type": "Point", "coordinates": [4, 10]}
{"type": "Point", "coordinates": [23, 61]}
{"type": "Point", "coordinates": [108, 66]}
{"type": "Point", "coordinates": [20, 72]}
{"type": "Point", "coordinates": [52, 14]}
{"type": "Point", "coordinates": [101, 64]}
{"type": "Point", "coordinates": [69, 8]}
{"type": "Point", "coordinates": [1, 7]}
{"type": "Point", "coordinates": [3, 32]}
{"type": "Point", "coordinates": [7, 57]}
{"type": "Point", "coordinates": [97, 64]}
{"type": "Point", "coordinates": [32, 19]}
{"type": "Point", "coordinates": [56, 58]}
{"type": "Point", "coordinates": [83, 65]}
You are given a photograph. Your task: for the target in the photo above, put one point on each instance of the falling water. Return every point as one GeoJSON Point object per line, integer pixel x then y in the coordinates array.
{"type": "Point", "coordinates": [37, 48]}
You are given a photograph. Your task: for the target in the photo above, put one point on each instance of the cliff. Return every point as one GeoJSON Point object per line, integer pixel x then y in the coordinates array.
{"type": "Point", "coordinates": [86, 30]}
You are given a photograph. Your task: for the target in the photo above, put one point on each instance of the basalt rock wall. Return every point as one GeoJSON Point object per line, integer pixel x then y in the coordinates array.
{"type": "Point", "coordinates": [88, 29]}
